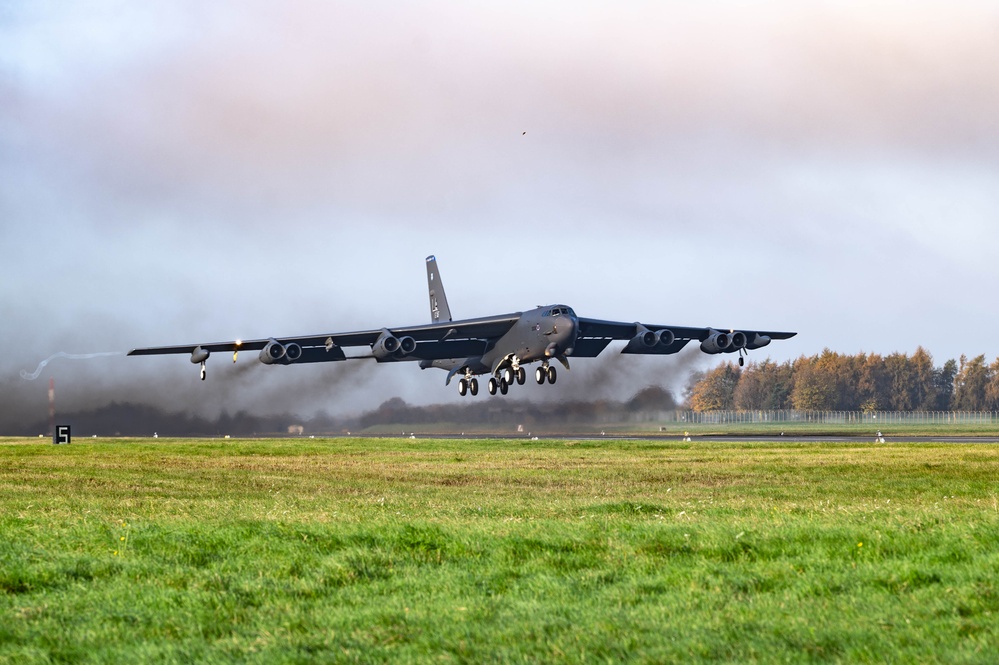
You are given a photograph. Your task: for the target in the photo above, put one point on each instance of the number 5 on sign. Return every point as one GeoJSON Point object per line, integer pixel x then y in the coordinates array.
{"type": "Point", "coordinates": [61, 434]}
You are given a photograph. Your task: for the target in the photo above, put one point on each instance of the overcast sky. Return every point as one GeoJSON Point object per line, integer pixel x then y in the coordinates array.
{"type": "Point", "coordinates": [175, 172]}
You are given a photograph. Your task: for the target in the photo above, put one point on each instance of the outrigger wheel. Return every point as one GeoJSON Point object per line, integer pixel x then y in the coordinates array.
{"type": "Point", "coordinates": [203, 372]}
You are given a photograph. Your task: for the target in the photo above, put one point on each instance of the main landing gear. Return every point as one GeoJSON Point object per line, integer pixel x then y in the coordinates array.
{"type": "Point", "coordinates": [466, 386]}
{"type": "Point", "coordinates": [502, 385]}
{"type": "Point", "coordinates": [545, 373]}
{"type": "Point", "coordinates": [510, 375]}
{"type": "Point", "coordinates": [504, 378]}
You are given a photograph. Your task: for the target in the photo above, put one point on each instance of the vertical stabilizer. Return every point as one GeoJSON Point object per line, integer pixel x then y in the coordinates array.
{"type": "Point", "coordinates": [439, 311]}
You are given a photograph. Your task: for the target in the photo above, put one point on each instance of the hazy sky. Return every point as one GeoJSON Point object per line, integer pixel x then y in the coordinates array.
{"type": "Point", "coordinates": [175, 172]}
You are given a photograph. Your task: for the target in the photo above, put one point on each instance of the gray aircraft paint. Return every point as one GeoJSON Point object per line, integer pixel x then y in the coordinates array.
{"type": "Point", "coordinates": [438, 300]}
{"type": "Point", "coordinates": [497, 345]}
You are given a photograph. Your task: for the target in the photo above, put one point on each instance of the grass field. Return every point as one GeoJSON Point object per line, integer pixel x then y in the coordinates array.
{"type": "Point", "coordinates": [367, 550]}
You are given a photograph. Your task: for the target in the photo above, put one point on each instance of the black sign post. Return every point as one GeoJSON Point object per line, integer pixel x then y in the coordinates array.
{"type": "Point", "coordinates": [61, 434]}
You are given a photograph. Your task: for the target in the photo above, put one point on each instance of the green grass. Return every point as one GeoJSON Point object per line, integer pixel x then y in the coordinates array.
{"type": "Point", "coordinates": [362, 550]}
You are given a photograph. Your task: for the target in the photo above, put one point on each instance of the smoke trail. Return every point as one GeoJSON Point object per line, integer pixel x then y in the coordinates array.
{"type": "Point", "coordinates": [31, 376]}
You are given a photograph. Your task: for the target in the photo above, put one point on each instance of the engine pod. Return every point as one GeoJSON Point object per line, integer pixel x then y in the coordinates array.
{"type": "Point", "coordinates": [406, 346]}
{"type": "Point", "coordinates": [386, 345]}
{"type": "Point", "coordinates": [292, 352]}
{"type": "Point", "coordinates": [716, 342]}
{"type": "Point", "coordinates": [273, 352]}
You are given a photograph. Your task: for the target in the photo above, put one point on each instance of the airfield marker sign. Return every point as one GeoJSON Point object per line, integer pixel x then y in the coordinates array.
{"type": "Point", "coordinates": [61, 434]}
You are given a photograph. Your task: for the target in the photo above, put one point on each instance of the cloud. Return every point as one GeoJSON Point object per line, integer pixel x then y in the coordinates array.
{"type": "Point", "coordinates": [319, 105]}
{"type": "Point", "coordinates": [171, 172]}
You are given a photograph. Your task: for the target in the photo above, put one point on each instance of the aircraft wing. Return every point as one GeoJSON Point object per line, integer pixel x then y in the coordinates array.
{"type": "Point", "coordinates": [451, 339]}
{"type": "Point", "coordinates": [596, 334]}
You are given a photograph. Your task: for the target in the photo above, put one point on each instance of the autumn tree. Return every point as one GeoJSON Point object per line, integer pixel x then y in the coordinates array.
{"type": "Point", "coordinates": [867, 382]}
{"type": "Point", "coordinates": [970, 383]}
{"type": "Point", "coordinates": [764, 386]}
{"type": "Point", "coordinates": [992, 387]}
{"type": "Point", "coordinates": [900, 391]}
{"type": "Point", "coordinates": [872, 382]}
{"type": "Point", "coordinates": [923, 376]}
{"type": "Point", "coordinates": [715, 390]}
{"type": "Point", "coordinates": [814, 386]}
{"type": "Point", "coordinates": [943, 379]}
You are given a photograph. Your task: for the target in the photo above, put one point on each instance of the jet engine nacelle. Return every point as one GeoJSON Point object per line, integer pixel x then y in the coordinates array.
{"type": "Point", "coordinates": [292, 352]}
{"type": "Point", "coordinates": [665, 337]}
{"type": "Point", "coordinates": [199, 355]}
{"type": "Point", "coordinates": [276, 353]}
{"type": "Point", "coordinates": [406, 345]}
{"type": "Point", "coordinates": [717, 342]}
{"type": "Point", "coordinates": [648, 341]}
{"type": "Point", "coordinates": [388, 345]}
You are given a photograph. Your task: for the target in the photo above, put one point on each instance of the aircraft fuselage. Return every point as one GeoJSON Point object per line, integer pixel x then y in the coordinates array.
{"type": "Point", "coordinates": [541, 334]}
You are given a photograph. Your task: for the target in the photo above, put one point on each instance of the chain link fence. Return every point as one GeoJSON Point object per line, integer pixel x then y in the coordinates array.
{"type": "Point", "coordinates": [833, 417]}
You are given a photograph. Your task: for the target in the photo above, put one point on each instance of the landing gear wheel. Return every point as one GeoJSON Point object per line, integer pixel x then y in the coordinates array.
{"type": "Point", "coordinates": [473, 387]}
{"type": "Point", "coordinates": [742, 361]}
{"type": "Point", "coordinates": [507, 376]}
{"type": "Point", "coordinates": [462, 387]}
{"type": "Point", "coordinates": [521, 376]}
{"type": "Point", "coordinates": [504, 386]}
{"type": "Point", "coordinates": [203, 372]}
{"type": "Point", "coordinates": [492, 385]}
{"type": "Point", "coordinates": [552, 374]}
{"type": "Point", "coordinates": [540, 375]}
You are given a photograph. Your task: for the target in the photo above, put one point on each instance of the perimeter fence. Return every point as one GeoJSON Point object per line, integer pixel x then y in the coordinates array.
{"type": "Point", "coordinates": [834, 417]}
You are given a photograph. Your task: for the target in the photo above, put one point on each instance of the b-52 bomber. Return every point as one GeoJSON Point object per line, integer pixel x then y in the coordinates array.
{"type": "Point", "coordinates": [499, 346]}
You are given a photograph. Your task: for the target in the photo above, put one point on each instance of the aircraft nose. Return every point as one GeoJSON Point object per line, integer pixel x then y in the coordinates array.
{"type": "Point", "coordinates": [567, 338]}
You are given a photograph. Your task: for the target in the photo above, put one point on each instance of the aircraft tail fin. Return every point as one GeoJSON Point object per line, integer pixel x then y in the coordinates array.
{"type": "Point", "coordinates": [439, 311]}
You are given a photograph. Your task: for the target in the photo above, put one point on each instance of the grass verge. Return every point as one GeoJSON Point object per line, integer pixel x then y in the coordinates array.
{"type": "Point", "coordinates": [361, 550]}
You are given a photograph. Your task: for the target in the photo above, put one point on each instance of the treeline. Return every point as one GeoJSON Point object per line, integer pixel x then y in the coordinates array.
{"type": "Point", "coordinates": [865, 382]}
